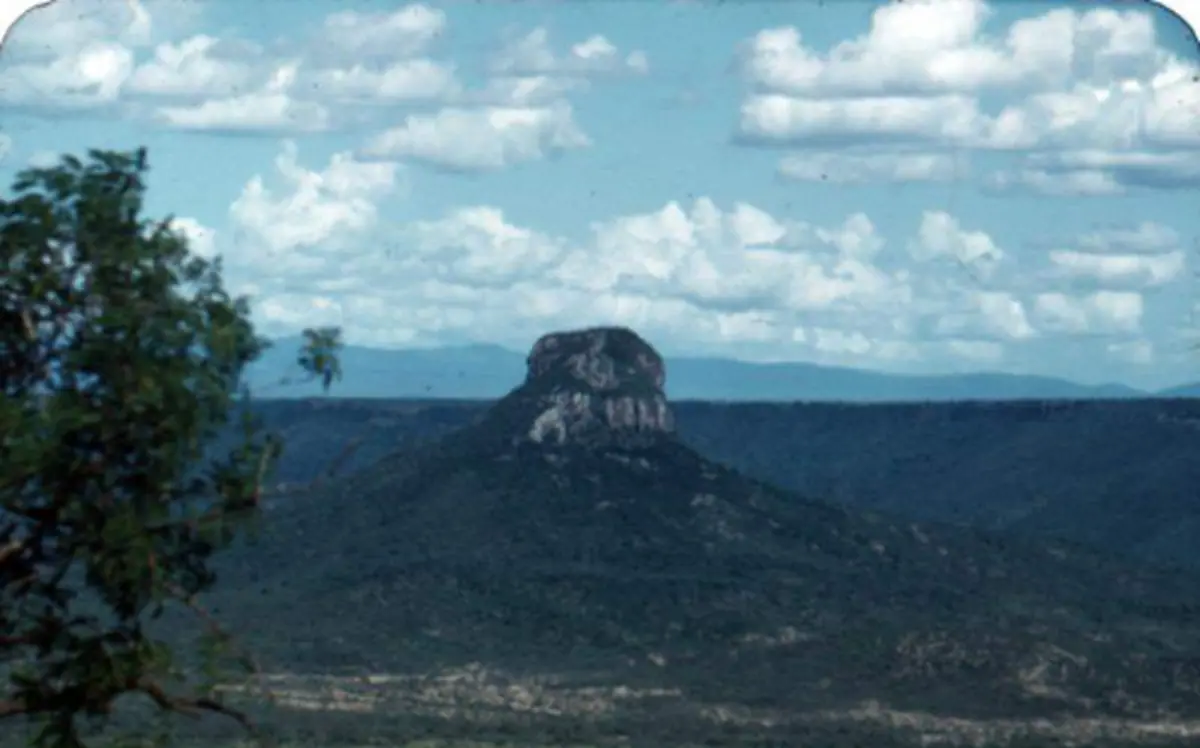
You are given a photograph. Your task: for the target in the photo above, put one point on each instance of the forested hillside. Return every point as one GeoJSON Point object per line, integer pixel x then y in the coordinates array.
{"type": "Point", "coordinates": [1120, 474]}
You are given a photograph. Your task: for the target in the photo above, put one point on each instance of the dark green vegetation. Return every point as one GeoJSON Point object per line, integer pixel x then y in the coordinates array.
{"type": "Point", "coordinates": [1120, 475]}
{"type": "Point", "coordinates": [120, 354]}
{"type": "Point", "coordinates": [569, 571]}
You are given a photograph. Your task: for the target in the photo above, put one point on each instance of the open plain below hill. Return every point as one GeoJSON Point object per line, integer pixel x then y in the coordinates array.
{"type": "Point", "coordinates": [563, 565]}
{"type": "Point", "coordinates": [1121, 475]}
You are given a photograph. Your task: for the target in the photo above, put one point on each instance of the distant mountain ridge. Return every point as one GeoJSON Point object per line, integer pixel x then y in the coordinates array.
{"type": "Point", "coordinates": [1191, 389]}
{"type": "Point", "coordinates": [490, 371]}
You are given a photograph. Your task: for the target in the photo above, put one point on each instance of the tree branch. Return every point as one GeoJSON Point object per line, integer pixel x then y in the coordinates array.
{"type": "Point", "coordinates": [11, 548]}
{"type": "Point", "coordinates": [191, 707]}
{"type": "Point", "coordinates": [186, 706]}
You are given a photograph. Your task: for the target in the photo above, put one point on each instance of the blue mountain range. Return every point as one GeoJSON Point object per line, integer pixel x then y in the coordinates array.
{"type": "Point", "coordinates": [490, 371]}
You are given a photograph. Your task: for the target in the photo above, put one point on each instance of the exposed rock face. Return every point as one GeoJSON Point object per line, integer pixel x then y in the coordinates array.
{"type": "Point", "coordinates": [596, 387]}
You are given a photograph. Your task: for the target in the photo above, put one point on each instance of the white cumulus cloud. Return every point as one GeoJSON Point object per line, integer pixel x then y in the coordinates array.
{"type": "Point", "coordinates": [271, 109]}
{"type": "Point", "coordinates": [532, 54]}
{"type": "Point", "coordinates": [987, 314]}
{"type": "Point", "coordinates": [1147, 270]}
{"type": "Point", "coordinates": [481, 139]}
{"type": "Point", "coordinates": [202, 240]}
{"type": "Point", "coordinates": [1087, 98]}
{"type": "Point", "coordinates": [349, 71]}
{"type": "Point", "coordinates": [1145, 237]}
{"type": "Point", "coordinates": [296, 226]}
{"type": "Point", "coordinates": [190, 68]}
{"type": "Point", "coordinates": [477, 245]}
{"type": "Point", "coordinates": [1102, 312]}
{"type": "Point", "coordinates": [404, 32]}
{"type": "Point", "coordinates": [940, 236]}
{"type": "Point", "coordinates": [850, 167]}
{"type": "Point", "coordinates": [404, 80]}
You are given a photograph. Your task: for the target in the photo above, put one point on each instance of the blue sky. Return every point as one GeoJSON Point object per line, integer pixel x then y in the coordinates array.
{"type": "Point", "coordinates": [931, 186]}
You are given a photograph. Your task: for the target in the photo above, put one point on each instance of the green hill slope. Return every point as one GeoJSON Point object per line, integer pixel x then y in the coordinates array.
{"type": "Point", "coordinates": [1118, 474]}
{"type": "Point", "coordinates": [568, 532]}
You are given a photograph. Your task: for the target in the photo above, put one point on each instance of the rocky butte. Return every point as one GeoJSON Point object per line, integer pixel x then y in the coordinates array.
{"type": "Point", "coordinates": [568, 531]}
{"type": "Point", "coordinates": [597, 387]}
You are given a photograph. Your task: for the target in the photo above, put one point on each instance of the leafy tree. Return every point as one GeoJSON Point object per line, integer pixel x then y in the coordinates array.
{"type": "Point", "coordinates": [319, 354]}
{"type": "Point", "coordinates": [121, 356]}
{"type": "Point", "coordinates": [317, 357]}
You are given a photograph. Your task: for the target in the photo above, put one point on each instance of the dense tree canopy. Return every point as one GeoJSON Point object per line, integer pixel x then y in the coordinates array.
{"type": "Point", "coordinates": [120, 359]}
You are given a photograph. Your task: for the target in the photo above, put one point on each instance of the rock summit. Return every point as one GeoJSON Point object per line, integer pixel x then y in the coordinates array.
{"type": "Point", "coordinates": [599, 387]}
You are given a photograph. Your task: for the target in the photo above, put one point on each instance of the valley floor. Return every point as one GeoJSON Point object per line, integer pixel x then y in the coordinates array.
{"type": "Point", "coordinates": [474, 695]}
{"type": "Point", "coordinates": [474, 707]}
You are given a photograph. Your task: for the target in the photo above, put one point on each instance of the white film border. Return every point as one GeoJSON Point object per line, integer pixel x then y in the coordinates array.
{"type": "Point", "coordinates": [11, 11]}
